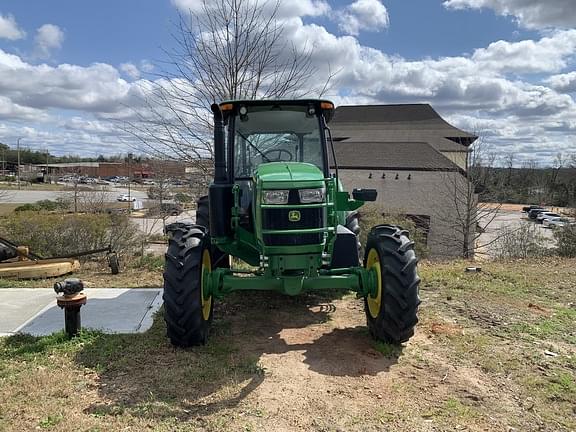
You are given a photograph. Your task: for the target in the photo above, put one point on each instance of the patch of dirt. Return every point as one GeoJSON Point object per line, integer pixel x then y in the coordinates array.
{"type": "Point", "coordinates": [322, 371]}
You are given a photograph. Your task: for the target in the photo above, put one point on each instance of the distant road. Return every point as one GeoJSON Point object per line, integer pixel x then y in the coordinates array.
{"type": "Point", "coordinates": [29, 196]}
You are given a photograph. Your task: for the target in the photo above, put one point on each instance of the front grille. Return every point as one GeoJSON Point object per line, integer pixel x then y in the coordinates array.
{"type": "Point", "coordinates": [277, 219]}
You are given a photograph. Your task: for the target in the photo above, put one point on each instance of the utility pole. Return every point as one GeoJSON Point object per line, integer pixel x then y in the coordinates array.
{"type": "Point", "coordinates": [129, 181]}
{"type": "Point", "coordinates": [18, 153]}
{"type": "Point", "coordinates": [47, 174]}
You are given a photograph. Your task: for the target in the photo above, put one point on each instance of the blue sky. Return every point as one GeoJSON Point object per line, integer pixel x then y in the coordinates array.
{"type": "Point", "coordinates": [502, 68]}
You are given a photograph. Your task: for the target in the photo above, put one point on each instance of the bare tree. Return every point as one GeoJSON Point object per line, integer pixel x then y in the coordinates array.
{"type": "Point", "coordinates": [226, 50]}
{"type": "Point", "coordinates": [161, 191]}
{"type": "Point", "coordinates": [466, 218]}
{"type": "Point", "coordinates": [92, 201]}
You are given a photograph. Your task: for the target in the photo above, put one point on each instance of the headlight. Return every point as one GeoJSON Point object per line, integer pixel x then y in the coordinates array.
{"type": "Point", "coordinates": [276, 197]}
{"type": "Point", "coordinates": [308, 196]}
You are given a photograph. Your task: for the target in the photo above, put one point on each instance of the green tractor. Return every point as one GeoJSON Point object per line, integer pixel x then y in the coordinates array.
{"type": "Point", "coordinates": [275, 205]}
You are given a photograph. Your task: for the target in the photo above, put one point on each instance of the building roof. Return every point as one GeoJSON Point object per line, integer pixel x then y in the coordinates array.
{"type": "Point", "coordinates": [398, 123]}
{"type": "Point", "coordinates": [391, 156]}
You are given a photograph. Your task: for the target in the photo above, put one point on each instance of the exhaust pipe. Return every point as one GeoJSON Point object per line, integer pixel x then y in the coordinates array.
{"type": "Point", "coordinates": [219, 147]}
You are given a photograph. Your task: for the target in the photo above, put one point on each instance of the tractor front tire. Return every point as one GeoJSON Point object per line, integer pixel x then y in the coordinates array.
{"type": "Point", "coordinates": [187, 313]}
{"type": "Point", "coordinates": [392, 313]}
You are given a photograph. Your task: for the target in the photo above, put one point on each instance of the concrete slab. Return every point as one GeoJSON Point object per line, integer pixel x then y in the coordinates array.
{"type": "Point", "coordinates": [110, 310]}
{"type": "Point", "coordinates": [18, 305]}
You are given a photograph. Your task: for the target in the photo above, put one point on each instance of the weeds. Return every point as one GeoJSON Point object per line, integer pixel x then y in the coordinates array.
{"type": "Point", "coordinates": [388, 350]}
{"type": "Point", "coordinates": [152, 263]}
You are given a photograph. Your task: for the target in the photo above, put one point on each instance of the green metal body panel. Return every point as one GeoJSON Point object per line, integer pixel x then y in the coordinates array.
{"type": "Point", "coordinates": [295, 268]}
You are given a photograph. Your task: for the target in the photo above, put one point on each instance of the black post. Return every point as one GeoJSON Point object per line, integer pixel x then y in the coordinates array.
{"type": "Point", "coordinates": [72, 320]}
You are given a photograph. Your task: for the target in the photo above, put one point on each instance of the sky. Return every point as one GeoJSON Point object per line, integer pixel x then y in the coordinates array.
{"type": "Point", "coordinates": [71, 70]}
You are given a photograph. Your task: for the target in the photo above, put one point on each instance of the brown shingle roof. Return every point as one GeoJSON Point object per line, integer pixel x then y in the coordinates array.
{"type": "Point", "coordinates": [398, 123]}
{"type": "Point", "coordinates": [391, 155]}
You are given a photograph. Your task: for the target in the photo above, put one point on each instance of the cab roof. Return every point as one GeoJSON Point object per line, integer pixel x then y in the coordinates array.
{"type": "Point", "coordinates": [324, 104]}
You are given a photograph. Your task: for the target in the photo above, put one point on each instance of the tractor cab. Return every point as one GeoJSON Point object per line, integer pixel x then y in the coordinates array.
{"type": "Point", "coordinates": [273, 174]}
{"type": "Point", "coordinates": [285, 132]}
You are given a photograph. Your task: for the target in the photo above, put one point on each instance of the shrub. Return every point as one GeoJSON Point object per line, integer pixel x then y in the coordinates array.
{"type": "Point", "coordinates": [47, 205]}
{"type": "Point", "coordinates": [566, 238]}
{"type": "Point", "coordinates": [183, 198]}
{"type": "Point", "coordinates": [151, 262]}
{"type": "Point", "coordinates": [27, 207]}
{"type": "Point", "coordinates": [370, 215]}
{"type": "Point", "coordinates": [522, 242]}
{"type": "Point", "coordinates": [62, 234]}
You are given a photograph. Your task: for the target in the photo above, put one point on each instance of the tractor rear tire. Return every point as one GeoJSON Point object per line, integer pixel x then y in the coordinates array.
{"type": "Point", "coordinates": [392, 314]}
{"type": "Point", "coordinates": [187, 314]}
{"type": "Point", "coordinates": [221, 259]}
{"type": "Point", "coordinates": [203, 212]}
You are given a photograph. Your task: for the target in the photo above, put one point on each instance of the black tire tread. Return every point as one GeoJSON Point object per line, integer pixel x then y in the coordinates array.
{"type": "Point", "coordinates": [185, 324]}
{"type": "Point", "coordinates": [399, 307]}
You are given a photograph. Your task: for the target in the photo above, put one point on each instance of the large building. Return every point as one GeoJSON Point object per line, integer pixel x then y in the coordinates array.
{"type": "Point", "coordinates": [108, 169]}
{"type": "Point", "coordinates": [414, 159]}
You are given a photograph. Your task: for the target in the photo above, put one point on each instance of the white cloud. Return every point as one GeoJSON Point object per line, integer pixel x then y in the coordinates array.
{"type": "Point", "coordinates": [95, 88]}
{"type": "Point", "coordinates": [131, 70]}
{"type": "Point", "coordinates": [49, 37]}
{"type": "Point", "coordinates": [146, 66]}
{"type": "Point", "coordinates": [11, 110]}
{"type": "Point", "coordinates": [488, 86]}
{"type": "Point", "coordinates": [99, 127]}
{"type": "Point", "coordinates": [565, 83]}
{"type": "Point", "coordinates": [286, 8]}
{"type": "Point", "coordinates": [533, 14]}
{"type": "Point", "coordinates": [363, 15]}
{"type": "Point", "coordinates": [549, 54]}
{"type": "Point", "coordinates": [9, 28]}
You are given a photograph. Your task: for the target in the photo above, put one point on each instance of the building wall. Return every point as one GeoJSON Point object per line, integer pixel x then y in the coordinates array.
{"type": "Point", "coordinates": [426, 193]}
{"type": "Point", "coordinates": [109, 169]}
{"type": "Point", "coordinates": [459, 158]}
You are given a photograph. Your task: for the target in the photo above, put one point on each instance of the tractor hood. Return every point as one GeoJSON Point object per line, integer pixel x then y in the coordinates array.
{"type": "Point", "coordinates": [287, 175]}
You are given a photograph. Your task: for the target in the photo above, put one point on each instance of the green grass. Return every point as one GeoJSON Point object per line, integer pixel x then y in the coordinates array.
{"type": "Point", "coordinates": [558, 327]}
{"type": "Point", "coordinates": [388, 350]}
{"type": "Point", "coordinates": [139, 381]}
{"type": "Point", "coordinates": [140, 375]}
{"type": "Point", "coordinates": [51, 421]}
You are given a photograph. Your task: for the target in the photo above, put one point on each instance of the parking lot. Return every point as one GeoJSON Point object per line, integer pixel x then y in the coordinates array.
{"type": "Point", "coordinates": [510, 218]}
{"type": "Point", "coordinates": [31, 196]}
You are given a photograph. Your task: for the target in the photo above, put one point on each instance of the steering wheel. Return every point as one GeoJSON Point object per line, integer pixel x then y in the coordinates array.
{"type": "Point", "coordinates": [278, 157]}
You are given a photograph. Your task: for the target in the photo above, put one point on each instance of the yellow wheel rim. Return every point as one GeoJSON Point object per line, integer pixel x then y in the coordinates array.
{"type": "Point", "coordinates": [206, 269]}
{"type": "Point", "coordinates": [373, 262]}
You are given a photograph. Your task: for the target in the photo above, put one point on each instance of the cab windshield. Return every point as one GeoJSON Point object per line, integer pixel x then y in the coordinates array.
{"type": "Point", "coordinates": [276, 133]}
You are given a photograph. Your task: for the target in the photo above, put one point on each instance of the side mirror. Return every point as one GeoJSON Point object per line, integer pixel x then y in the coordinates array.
{"type": "Point", "coordinates": [365, 194]}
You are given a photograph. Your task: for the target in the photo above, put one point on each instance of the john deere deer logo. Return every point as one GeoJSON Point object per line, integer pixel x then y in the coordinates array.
{"type": "Point", "coordinates": [294, 216]}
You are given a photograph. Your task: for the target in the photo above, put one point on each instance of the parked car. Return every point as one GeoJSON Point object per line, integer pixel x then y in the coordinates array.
{"type": "Point", "coordinates": [165, 209]}
{"type": "Point", "coordinates": [530, 207]}
{"type": "Point", "coordinates": [126, 198]}
{"type": "Point", "coordinates": [545, 215]}
{"type": "Point", "coordinates": [556, 222]}
{"type": "Point", "coordinates": [532, 214]}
